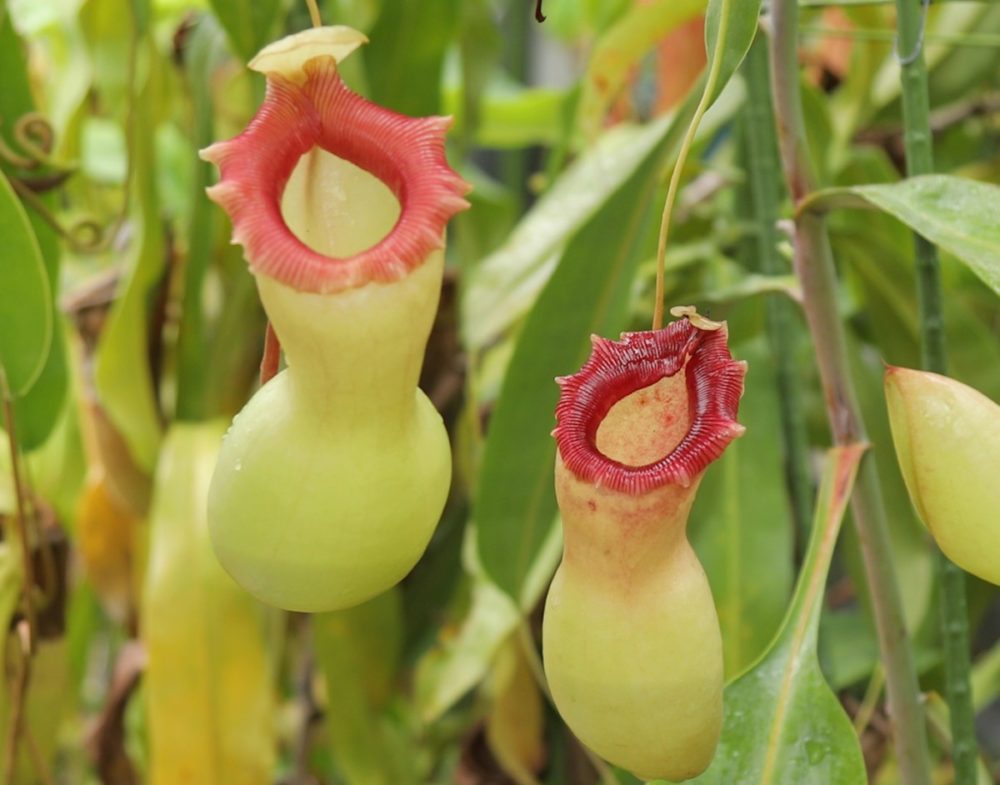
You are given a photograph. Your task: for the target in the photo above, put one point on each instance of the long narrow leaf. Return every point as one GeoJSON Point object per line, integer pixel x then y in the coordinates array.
{"type": "Point", "coordinates": [358, 650]}
{"type": "Point", "coordinates": [783, 724]}
{"type": "Point", "coordinates": [208, 677]}
{"type": "Point", "coordinates": [248, 23]}
{"type": "Point", "coordinates": [741, 525]}
{"type": "Point", "coordinates": [122, 366]}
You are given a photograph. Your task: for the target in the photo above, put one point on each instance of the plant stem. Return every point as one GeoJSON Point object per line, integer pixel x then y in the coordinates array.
{"type": "Point", "coordinates": [920, 160]}
{"type": "Point", "coordinates": [764, 172]}
{"type": "Point", "coordinates": [18, 701]}
{"type": "Point", "coordinates": [19, 532]}
{"type": "Point", "coordinates": [514, 164]}
{"type": "Point", "coordinates": [314, 17]}
{"type": "Point", "coordinates": [954, 617]}
{"type": "Point", "coordinates": [815, 268]}
{"type": "Point", "coordinates": [707, 96]}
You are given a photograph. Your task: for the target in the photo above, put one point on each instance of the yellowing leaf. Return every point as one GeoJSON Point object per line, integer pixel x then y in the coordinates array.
{"type": "Point", "coordinates": [208, 678]}
{"type": "Point", "coordinates": [516, 724]}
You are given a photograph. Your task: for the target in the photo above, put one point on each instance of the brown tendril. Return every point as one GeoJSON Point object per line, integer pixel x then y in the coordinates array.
{"type": "Point", "coordinates": [34, 134]}
{"type": "Point", "coordinates": [34, 138]}
{"type": "Point", "coordinates": [539, 16]}
{"type": "Point", "coordinates": [18, 531]}
{"type": "Point", "coordinates": [14, 158]}
{"type": "Point", "coordinates": [83, 236]}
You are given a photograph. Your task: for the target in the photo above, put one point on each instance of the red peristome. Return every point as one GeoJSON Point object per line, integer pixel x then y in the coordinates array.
{"type": "Point", "coordinates": [616, 369]}
{"type": "Point", "coordinates": [405, 153]}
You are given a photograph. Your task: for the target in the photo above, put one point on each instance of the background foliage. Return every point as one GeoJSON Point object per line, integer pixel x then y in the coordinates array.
{"type": "Point", "coordinates": [130, 331]}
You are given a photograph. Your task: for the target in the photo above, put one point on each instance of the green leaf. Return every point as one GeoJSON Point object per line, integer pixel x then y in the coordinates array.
{"type": "Point", "coordinates": [783, 724]}
{"type": "Point", "coordinates": [358, 651]}
{"type": "Point", "coordinates": [462, 661]}
{"type": "Point", "coordinates": [741, 524]}
{"type": "Point", "coordinates": [15, 98]}
{"type": "Point", "coordinates": [203, 58]}
{"type": "Point", "coordinates": [25, 297]}
{"type": "Point", "coordinates": [508, 116]}
{"type": "Point", "coordinates": [480, 47]}
{"type": "Point", "coordinates": [249, 24]}
{"type": "Point", "coordinates": [448, 672]}
{"type": "Point", "coordinates": [506, 283]}
{"type": "Point", "coordinates": [36, 412]}
{"type": "Point", "coordinates": [359, 14]}
{"type": "Point", "coordinates": [122, 367]}
{"type": "Point", "coordinates": [730, 27]}
{"type": "Point", "coordinates": [51, 701]}
{"type": "Point", "coordinates": [958, 215]}
{"type": "Point", "coordinates": [405, 56]}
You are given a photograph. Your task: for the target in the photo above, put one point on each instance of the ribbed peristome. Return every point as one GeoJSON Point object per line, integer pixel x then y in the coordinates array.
{"type": "Point", "coordinates": [318, 111]}
{"type": "Point", "coordinates": [616, 369]}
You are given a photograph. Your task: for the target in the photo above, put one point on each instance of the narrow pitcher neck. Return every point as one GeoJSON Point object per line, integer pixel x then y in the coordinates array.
{"type": "Point", "coordinates": [620, 537]}
{"type": "Point", "coordinates": [360, 350]}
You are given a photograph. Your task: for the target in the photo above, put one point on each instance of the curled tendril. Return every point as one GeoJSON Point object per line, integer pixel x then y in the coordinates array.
{"type": "Point", "coordinates": [88, 236]}
{"type": "Point", "coordinates": [34, 134]}
{"type": "Point", "coordinates": [14, 158]}
{"type": "Point", "coordinates": [83, 236]}
{"type": "Point", "coordinates": [35, 139]}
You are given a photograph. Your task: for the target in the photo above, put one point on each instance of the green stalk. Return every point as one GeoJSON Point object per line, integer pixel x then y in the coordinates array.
{"type": "Point", "coordinates": [514, 163]}
{"type": "Point", "coordinates": [815, 268]}
{"type": "Point", "coordinates": [765, 176]}
{"type": "Point", "coordinates": [954, 617]}
{"type": "Point", "coordinates": [191, 344]}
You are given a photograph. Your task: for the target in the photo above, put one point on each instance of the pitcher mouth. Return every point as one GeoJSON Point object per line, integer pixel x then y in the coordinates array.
{"type": "Point", "coordinates": [616, 369]}
{"type": "Point", "coordinates": [407, 154]}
